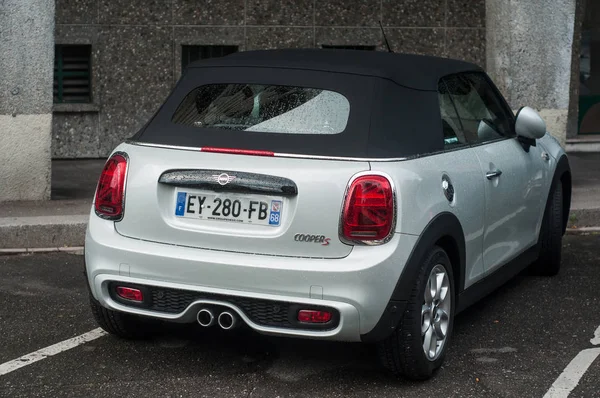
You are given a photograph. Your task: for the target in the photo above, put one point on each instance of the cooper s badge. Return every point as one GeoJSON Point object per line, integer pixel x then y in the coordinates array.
{"type": "Point", "coordinates": [307, 238]}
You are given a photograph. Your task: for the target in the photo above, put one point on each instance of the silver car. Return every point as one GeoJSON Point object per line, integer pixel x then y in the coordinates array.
{"type": "Point", "coordinates": [326, 194]}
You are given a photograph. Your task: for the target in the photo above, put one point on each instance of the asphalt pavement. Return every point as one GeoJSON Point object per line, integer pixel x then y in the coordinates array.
{"type": "Point", "coordinates": [514, 343]}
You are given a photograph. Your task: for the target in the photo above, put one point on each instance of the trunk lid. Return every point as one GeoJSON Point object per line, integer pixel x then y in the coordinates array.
{"type": "Point", "coordinates": [272, 205]}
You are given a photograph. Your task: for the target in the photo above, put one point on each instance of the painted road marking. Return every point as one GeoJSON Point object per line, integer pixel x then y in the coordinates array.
{"type": "Point", "coordinates": [570, 377]}
{"type": "Point", "coordinates": [596, 339]}
{"type": "Point", "coordinates": [54, 349]}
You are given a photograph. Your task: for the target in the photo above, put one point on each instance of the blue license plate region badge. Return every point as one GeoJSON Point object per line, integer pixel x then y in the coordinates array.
{"type": "Point", "coordinates": [275, 216]}
{"type": "Point", "coordinates": [180, 207]}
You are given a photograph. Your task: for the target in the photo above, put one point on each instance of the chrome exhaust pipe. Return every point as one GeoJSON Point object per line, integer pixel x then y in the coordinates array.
{"type": "Point", "coordinates": [205, 317]}
{"type": "Point", "coordinates": [227, 320]}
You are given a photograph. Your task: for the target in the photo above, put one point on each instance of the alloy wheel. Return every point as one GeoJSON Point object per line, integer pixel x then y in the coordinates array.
{"type": "Point", "coordinates": [435, 313]}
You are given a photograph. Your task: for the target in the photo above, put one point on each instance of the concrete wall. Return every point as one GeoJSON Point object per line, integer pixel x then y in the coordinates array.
{"type": "Point", "coordinates": [574, 89]}
{"type": "Point", "coordinates": [26, 64]}
{"type": "Point", "coordinates": [529, 55]}
{"type": "Point", "coordinates": [136, 47]}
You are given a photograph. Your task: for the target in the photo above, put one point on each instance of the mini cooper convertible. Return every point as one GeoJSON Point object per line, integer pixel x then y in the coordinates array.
{"type": "Point", "coordinates": [326, 194]}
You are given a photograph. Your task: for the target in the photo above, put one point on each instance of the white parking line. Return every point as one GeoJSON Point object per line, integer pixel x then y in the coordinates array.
{"type": "Point", "coordinates": [575, 370]}
{"type": "Point", "coordinates": [54, 349]}
{"type": "Point", "coordinates": [570, 377]}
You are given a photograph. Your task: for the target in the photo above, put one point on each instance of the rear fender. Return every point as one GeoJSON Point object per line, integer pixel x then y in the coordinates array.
{"type": "Point", "coordinates": [443, 225]}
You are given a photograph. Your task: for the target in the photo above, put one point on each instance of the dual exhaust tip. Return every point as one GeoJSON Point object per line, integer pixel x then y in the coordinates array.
{"type": "Point", "coordinates": [226, 320]}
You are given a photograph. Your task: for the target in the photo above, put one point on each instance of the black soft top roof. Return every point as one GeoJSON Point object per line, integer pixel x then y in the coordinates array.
{"type": "Point", "coordinates": [394, 106]}
{"type": "Point", "coordinates": [414, 71]}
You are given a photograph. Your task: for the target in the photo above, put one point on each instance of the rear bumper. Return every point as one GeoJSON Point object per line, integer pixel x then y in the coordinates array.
{"type": "Point", "coordinates": [358, 286]}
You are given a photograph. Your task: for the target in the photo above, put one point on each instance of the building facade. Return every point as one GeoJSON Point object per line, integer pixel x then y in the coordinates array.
{"type": "Point", "coordinates": [137, 49]}
{"type": "Point", "coordinates": [113, 62]}
{"type": "Point", "coordinates": [588, 121]}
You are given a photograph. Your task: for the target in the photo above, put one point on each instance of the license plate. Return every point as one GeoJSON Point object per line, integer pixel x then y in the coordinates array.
{"type": "Point", "coordinates": [243, 209]}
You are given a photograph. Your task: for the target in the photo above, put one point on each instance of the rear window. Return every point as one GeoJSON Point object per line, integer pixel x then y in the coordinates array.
{"type": "Point", "coordinates": [265, 109]}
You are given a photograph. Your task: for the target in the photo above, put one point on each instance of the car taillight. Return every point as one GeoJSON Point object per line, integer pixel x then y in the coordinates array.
{"type": "Point", "coordinates": [129, 293]}
{"type": "Point", "coordinates": [313, 316]}
{"type": "Point", "coordinates": [234, 151]}
{"type": "Point", "coordinates": [368, 213]}
{"type": "Point", "coordinates": [110, 193]}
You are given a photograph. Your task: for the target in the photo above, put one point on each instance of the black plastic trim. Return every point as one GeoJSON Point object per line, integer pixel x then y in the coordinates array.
{"type": "Point", "coordinates": [526, 143]}
{"type": "Point", "coordinates": [443, 225]}
{"type": "Point", "coordinates": [562, 168]}
{"type": "Point", "coordinates": [497, 278]}
{"type": "Point", "coordinates": [389, 321]}
{"type": "Point", "coordinates": [242, 182]}
{"type": "Point", "coordinates": [291, 308]}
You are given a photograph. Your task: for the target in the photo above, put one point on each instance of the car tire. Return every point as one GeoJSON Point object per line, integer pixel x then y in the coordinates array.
{"type": "Point", "coordinates": [551, 232]}
{"type": "Point", "coordinates": [121, 324]}
{"type": "Point", "coordinates": [403, 353]}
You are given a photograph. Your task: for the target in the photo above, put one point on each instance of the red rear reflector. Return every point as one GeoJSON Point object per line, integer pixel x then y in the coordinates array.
{"type": "Point", "coordinates": [110, 193]}
{"type": "Point", "coordinates": [130, 293]}
{"type": "Point", "coordinates": [313, 316]}
{"type": "Point", "coordinates": [368, 213]}
{"type": "Point", "coordinates": [233, 151]}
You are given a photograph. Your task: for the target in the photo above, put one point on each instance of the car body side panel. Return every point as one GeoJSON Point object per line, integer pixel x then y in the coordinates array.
{"type": "Point", "coordinates": [552, 146]}
{"type": "Point", "coordinates": [421, 198]}
{"type": "Point", "coordinates": [514, 200]}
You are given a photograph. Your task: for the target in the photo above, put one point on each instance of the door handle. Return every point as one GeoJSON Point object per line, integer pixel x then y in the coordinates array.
{"type": "Point", "coordinates": [493, 174]}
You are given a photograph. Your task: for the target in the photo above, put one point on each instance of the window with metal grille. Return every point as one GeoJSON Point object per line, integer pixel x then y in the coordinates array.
{"type": "Point", "coordinates": [190, 54]}
{"type": "Point", "coordinates": [349, 47]}
{"type": "Point", "coordinates": [72, 73]}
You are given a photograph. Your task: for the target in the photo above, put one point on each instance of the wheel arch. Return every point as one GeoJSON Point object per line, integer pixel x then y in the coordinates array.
{"type": "Point", "coordinates": [562, 173]}
{"type": "Point", "coordinates": [451, 247]}
{"type": "Point", "coordinates": [445, 231]}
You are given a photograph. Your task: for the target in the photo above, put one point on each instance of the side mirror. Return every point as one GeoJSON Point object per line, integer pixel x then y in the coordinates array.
{"type": "Point", "coordinates": [529, 124]}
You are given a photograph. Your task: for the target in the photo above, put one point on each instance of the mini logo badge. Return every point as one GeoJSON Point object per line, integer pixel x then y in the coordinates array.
{"type": "Point", "coordinates": [223, 178]}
